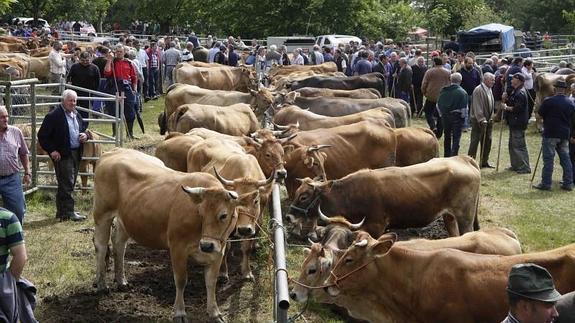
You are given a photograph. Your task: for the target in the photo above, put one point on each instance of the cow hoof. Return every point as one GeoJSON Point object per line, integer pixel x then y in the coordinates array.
{"type": "Point", "coordinates": [223, 279]}
{"type": "Point", "coordinates": [180, 319]}
{"type": "Point", "coordinates": [249, 277]}
{"type": "Point", "coordinates": [124, 287]}
{"type": "Point", "coordinates": [103, 290]}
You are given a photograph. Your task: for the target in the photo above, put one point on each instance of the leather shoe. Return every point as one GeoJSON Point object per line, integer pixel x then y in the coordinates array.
{"type": "Point", "coordinates": [541, 187]}
{"type": "Point", "coordinates": [567, 188]}
{"type": "Point", "coordinates": [74, 216]}
{"type": "Point", "coordinates": [487, 166]}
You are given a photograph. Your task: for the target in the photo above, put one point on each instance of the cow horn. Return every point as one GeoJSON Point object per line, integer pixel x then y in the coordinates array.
{"type": "Point", "coordinates": [280, 127]}
{"type": "Point", "coordinates": [233, 195]}
{"type": "Point", "coordinates": [356, 226]}
{"type": "Point", "coordinates": [253, 140]}
{"type": "Point", "coordinates": [268, 180]}
{"type": "Point", "coordinates": [284, 140]}
{"type": "Point", "coordinates": [317, 147]}
{"type": "Point", "coordinates": [361, 243]}
{"type": "Point", "coordinates": [222, 180]}
{"type": "Point", "coordinates": [193, 190]}
{"type": "Point", "coordinates": [277, 133]}
{"type": "Point", "coordinates": [322, 216]}
{"type": "Point", "coordinates": [310, 241]}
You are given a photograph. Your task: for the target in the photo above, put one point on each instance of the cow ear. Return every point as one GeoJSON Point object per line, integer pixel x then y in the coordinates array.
{"type": "Point", "coordinates": [319, 231]}
{"type": "Point", "coordinates": [288, 149]}
{"type": "Point", "coordinates": [196, 193]}
{"type": "Point", "coordinates": [381, 248]}
{"type": "Point", "coordinates": [308, 162]}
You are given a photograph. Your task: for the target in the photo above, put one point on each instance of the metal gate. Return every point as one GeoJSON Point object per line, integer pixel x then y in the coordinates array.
{"type": "Point", "coordinates": [28, 102]}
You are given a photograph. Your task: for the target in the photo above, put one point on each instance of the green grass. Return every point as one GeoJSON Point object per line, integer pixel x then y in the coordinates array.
{"type": "Point", "coordinates": [61, 255]}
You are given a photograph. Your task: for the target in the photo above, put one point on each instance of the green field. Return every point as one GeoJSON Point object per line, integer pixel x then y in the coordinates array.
{"type": "Point", "coordinates": [62, 265]}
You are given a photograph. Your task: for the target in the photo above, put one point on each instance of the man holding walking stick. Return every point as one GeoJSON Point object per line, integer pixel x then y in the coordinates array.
{"type": "Point", "coordinates": [557, 113]}
{"type": "Point", "coordinates": [517, 116]}
{"type": "Point", "coordinates": [482, 107]}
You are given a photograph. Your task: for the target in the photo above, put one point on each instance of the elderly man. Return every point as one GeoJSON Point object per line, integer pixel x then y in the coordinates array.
{"type": "Point", "coordinates": [13, 149]}
{"type": "Point", "coordinates": [187, 54]}
{"type": "Point", "coordinates": [516, 112]}
{"type": "Point", "coordinates": [433, 81]}
{"type": "Point", "coordinates": [452, 105]}
{"type": "Point", "coordinates": [532, 295]}
{"type": "Point", "coordinates": [419, 70]}
{"type": "Point", "coordinates": [316, 56]}
{"type": "Point", "coordinates": [481, 113]}
{"type": "Point", "coordinates": [62, 135]}
{"type": "Point", "coordinates": [57, 61]}
{"type": "Point", "coordinates": [557, 113]}
{"type": "Point", "coordinates": [170, 59]}
{"type": "Point", "coordinates": [404, 80]}
{"type": "Point", "coordinates": [297, 59]}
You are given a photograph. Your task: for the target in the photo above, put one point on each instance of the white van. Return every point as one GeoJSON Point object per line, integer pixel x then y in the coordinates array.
{"type": "Point", "coordinates": [334, 40]}
{"type": "Point", "coordinates": [292, 42]}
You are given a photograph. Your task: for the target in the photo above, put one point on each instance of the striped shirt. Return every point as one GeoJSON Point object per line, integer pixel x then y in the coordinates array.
{"type": "Point", "coordinates": [12, 145]}
{"type": "Point", "coordinates": [73, 129]}
{"type": "Point", "coordinates": [11, 235]}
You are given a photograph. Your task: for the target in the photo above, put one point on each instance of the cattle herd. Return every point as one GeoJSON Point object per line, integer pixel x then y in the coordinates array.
{"type": "Point", "coordinates": [349, 159]}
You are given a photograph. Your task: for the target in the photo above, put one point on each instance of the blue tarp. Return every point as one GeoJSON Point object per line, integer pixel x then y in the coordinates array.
{"type": "Point", "coordinates": [486, 36]}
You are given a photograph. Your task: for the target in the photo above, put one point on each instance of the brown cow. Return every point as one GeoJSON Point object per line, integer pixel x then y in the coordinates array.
{"type": "Point", "coordinates": [369, 93]}
{"type": "Point", "coordinates": [215, 78]}
{"type": "Point", "coordinates": [227, 159]}
{"type": "Point", "coordinates": [402, 197]}
{"type": "Point", "coordinates": [335, 107]}
{"type": "Point", "coordinates": [339, 234]}
{"type": "Point", "coordinates": [180, 94]}
{"type": "Point", "coordinates": [13, 48]}
{"type": "Point", "coordinates": [173, 151]}
{"type": "Point", "coordinates": [399, 284]}
{"type": "Point", "coordinates": [544, 88]}
{"type": "Point", "coordinates": [415, 145]}
{"type": "Point", "coordinates": [284, 70]}
{"type": "Point", "coordinates": [352, 147]}
{"type": "Point", "coordinates": [235, 120]}
{"type": "Point", "coordinates": [309, 121]}
{"type": "Point", "coordinates": [155, 213]}
{"type": "Point", "coordinates": [12, 40]}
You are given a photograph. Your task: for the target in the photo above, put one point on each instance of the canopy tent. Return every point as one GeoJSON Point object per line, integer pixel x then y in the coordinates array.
{"type": "Point", "coordinates": [487, 38]}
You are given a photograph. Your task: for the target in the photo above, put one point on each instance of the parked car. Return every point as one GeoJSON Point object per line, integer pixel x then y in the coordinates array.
{"type": "Point", "coordinates": [292, 42]}
{"type": "Point", "coordinates": [40, 23]}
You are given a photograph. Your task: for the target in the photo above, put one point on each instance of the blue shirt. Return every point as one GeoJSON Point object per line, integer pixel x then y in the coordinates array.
{"type": "Point", "coordinates": [362, 66]}
{"type": "Point", "coordinates": [73, 129]}
{"type": "Point", "coordinates": [557, 112]}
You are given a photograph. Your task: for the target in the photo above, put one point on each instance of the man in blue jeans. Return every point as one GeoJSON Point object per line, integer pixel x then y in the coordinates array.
{"type": "Point", "coordinates": [557, 113]}
{"type": "Point", "coordinates": [13, 149]}
{"type": "Point", "coordinates": [452, 105]}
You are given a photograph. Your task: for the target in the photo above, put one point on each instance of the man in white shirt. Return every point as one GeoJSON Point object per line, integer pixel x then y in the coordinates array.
{"type": "Point", "coordinates": [57, 61]}
{"type": "Point", "coordinates": [529, 73]}
{"type": "Point", "coordinates": [317, 56]}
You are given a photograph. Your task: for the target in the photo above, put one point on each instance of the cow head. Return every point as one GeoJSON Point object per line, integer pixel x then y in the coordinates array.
{"type": "Point", "coordinates": [355, 267]}
{"type": "Point", "coordinates": [249, 214]}
{"type": "Point", "coordinates": [307, 160]}
{"type": "Point", "coordinates": [314, 271]}
{"type": "Point", "coordinates": [307, 198]}
{"type": "Point", "coordinates": [262, 100]}
{"type": "Point", "coordinates": [269, 152]}
{"type": "Point", "coordinates": [216, 207]}
{"type": "Point", "coordinates": [339, 233]}
{"type": "Point", "coordinates": [286, 98]}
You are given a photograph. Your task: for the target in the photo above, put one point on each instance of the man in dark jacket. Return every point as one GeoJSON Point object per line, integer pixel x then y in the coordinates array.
{"type": "Point", "coordinates": [516, 112]}
{"type": "Point", "coordinates": [419, 70]}
{"type": "Point", "coordinates": [452, 105]}
{"type": "Point", "coordinates": [87, 75]}
{"type": "Point", "coordinates": [470, 79]}
{"type": "Point", "coordinates": [557, 113]}
{"type": "Point", "coordinates": [404, 80]}
{"type": "Point", "coordinates": [62, 135]}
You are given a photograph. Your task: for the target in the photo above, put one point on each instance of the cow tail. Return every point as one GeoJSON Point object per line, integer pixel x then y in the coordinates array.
{"type": "Point", "coordinates": [175, 117]}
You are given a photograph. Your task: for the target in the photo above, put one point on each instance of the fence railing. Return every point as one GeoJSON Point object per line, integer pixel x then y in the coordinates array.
{"type": "Point", "coordinates": [281, 298]}
{"type": "Point", "coordinates": [27, 109]}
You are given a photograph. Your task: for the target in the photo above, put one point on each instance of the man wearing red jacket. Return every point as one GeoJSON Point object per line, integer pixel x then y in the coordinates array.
{"type": "Point", "coordinates": [123, 79]}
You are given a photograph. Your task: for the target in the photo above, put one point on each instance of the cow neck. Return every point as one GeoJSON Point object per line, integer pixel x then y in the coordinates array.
{"type": "Point", "coordinates": [382, 278]}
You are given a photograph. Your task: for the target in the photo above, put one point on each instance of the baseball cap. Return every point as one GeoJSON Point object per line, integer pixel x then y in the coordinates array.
{"type": "Point", "coordinates": [560, 84]}
{"type": "Point", "coordinates": [519, 76]}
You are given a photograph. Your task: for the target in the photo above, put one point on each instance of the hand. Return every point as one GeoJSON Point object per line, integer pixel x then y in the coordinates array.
{"type": "Point", "coordinates": [572, 140]}
{"type": "Point", "coordinates": [110, 56]}
{"type": "Point", "coordinates": [83, 138]}
{"type": "Point", "coordinates": [27, 179]}
{"type": "Point", "coordinates": [55, 155]}
{"type": "Point", "coordinates": [504, 96]}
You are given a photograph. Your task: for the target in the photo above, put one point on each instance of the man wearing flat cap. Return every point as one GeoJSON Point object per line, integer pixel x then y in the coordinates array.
{"type": "Point", "coordinates": [557, 112]}
{"type": "Point", "coordinates": [516, 112]}
{"type": "Point", "coordinates": [532, 295]}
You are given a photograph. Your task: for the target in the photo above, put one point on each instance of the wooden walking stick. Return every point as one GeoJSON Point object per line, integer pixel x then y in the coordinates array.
{"type": "Point", "coordinates": [500, 136]}
{"type": "Point", "coordinates": [536, 165]}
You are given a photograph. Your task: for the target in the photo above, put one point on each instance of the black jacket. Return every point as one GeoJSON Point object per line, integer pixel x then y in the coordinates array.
{"type": "Point", "coordinates": [519, 117]}
{"type": "Point", "coordinates": [53, 134]}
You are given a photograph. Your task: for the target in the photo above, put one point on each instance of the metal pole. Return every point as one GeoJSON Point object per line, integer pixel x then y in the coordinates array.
{"type": "Point", "coordinates": [8, 100]}
{"type": "Point", "coordinates": [34, 136]}
{"type": "Point", "coordinates": [282, 294]}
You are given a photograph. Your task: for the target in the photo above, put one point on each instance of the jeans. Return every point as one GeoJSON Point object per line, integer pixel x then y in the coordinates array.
{"type": "Point", "coordinates": [12, 195]}
{"type": "Point", "coordinates": [152, 82]}
{"type": "Point", "coordinates": [145, 84]}
{"type": "Point", "coordinates": [432, 117]}
{"type": "Point", "coordinates": [477, 138]}
{"type": "Point", "coordinates": [452, 126]}
{"type": "Point", "coordinates": [549, 145]}
{"type": "Point", "coordinates": [66, 173]}
{"type": "Point", "coordinates": [572, 154]}
{"type": "Point", "coordinates": [518, 154]}
{"type": "Point", "coordinates": [466, 113]}
{"type": "Point", "coordinates": [404, 95]}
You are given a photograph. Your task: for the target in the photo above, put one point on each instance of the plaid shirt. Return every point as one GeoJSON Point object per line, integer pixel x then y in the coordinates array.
{"type": "Point", "coordinates": [12, 146]}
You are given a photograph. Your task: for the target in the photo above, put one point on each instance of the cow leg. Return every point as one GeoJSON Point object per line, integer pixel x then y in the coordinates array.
{"type": "Point", "coordinates": [224, 274]}
{"type": "Point", "coordinates": [210, 276]}
{"type": "Point", "coordinates": [101, 237]}
{"type": "Point", "coordinates": [450, 223]}
{"type": "Point", "coordinates": [179, 259]}
{"type": "Point", "coordinates": [119, 241]}
{"type": "Point", "coordinates": [83, 168]}
{"type": "Point", "coordinates": [247, 247]}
